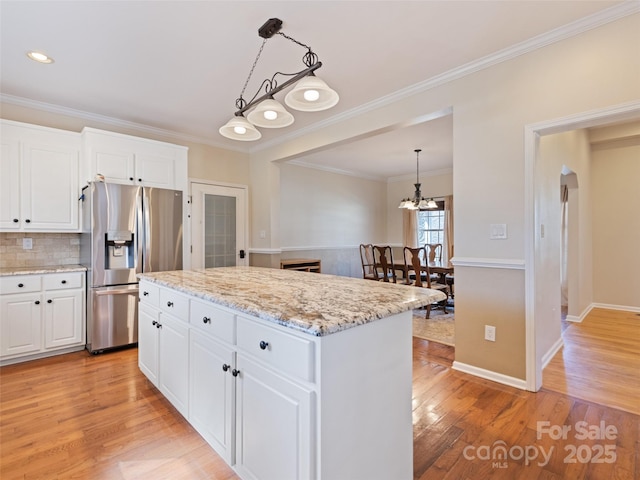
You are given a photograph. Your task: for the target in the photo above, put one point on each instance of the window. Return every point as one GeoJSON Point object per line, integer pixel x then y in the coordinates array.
{"type": "Point", "coordinates": [431, 225]}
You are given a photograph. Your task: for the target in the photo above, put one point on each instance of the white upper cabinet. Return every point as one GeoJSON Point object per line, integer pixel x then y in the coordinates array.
{"type": "Point", "coordinates": [40, 171]}
{"type": "Point", "coordinates": [135, 161]}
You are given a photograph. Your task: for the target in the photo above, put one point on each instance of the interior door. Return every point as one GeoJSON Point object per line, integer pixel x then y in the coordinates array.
{"type": "Point", "coordinates": [218, 226]}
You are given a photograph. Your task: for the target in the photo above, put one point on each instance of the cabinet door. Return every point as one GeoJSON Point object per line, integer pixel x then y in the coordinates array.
{"type": "Point", "coordinates": [116, 166]}
{"type": "Point", "coordinates": [174, 362]}
{"type": "Point", "coordinates": [9, 184]}
{"type": "Point", "coordinates": [274, 418]}
{"type": "Point", "coordinates": [211, 392]}
{"type": "Point", "coordinates": [63, 319]}
{"type": "Point", "coordinates": [148, 333]}
{"type": "Point", "coordinates": [49, 198]}
{"type": "Point", "coordinates": [20, 324]}
{"type": "Point", "coordinates": [155, 171]}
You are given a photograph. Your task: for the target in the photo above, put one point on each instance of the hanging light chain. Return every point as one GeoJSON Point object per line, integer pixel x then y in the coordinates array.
{"type": "Point", "coordinates": [309, 58]}
{"type": "Point", "coordinates": [240, 102]}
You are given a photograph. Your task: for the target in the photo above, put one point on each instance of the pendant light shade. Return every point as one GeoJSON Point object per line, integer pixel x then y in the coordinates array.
{"type": "Point", "coordinates": [311, 94]}
{"type": "Point", "coordinates": [270, 113]}
{"type": "Point", "coordinates": [238, 128]}
{"type": "Point", "coordinates": [418, 202]}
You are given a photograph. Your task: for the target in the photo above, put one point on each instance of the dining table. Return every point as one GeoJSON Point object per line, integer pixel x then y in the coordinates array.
{"type": "Point", "coordinates": [439, 267]}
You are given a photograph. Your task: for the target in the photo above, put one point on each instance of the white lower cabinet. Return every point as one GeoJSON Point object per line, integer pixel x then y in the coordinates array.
{"type": "Point", "coordinates": [212, 392]}
{"type": "Point", "coordinates": [274, 425]}
{"type": "Point", "coordinates": [163, 354]}
{"type": "Point", "coordinates": [48, 318]}
{"type": "Point", "coordinates": [278, 404]}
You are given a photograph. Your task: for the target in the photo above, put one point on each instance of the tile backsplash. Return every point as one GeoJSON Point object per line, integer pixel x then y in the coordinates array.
{"type": "Point", "coordinates": [48, 249]}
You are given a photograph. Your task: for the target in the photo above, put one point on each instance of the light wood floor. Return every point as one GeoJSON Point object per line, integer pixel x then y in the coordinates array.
{"type": "Point", "coordinates": [600, 360]}
{"type": "Point", "coordinates": [84, 417]}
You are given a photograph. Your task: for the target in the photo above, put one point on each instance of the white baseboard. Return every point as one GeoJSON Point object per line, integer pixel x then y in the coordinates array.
{"type": "Point", "coordinates": [608, 306]}
{"type": "Point", "coordinates": [489, 375]}
{"type": "Point", "coordinates": [581, 317]}
{"type": "Point", "coordinates": [555, 348]}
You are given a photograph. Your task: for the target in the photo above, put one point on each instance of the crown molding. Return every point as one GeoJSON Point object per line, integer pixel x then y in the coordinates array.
{"type": "Point", "coordinates": [561, 33]}
{"type": "Point", "coordinates": [566, 31]}
{"type": "Point", "coordinates": [338, 171]}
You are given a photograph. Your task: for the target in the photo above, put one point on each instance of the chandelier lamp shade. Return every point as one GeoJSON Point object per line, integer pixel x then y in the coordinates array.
{"type": "Point", "coordinates": [309, 94]}
{"type": "Point", "coordinates": [418, 202]}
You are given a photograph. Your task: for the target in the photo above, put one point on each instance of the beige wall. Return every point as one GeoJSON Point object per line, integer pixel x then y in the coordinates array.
{"type": "Point", "coordinates": [616, 225]}
{"type": "Point", "coordinates": [491, 107]}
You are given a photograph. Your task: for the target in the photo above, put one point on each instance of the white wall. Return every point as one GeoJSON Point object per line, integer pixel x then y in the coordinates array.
{"type": "Point", "coordinates": [595, 69]}
{"type": "Point", "coordinates": [616, 225]}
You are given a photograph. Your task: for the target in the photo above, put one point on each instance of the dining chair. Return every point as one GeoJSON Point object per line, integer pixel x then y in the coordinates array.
{"type": "Point", "coordinates": [415, 261]}
{"type": "Point", "coordinates": [434, 253]}
{"type": "Point", "coordinates": [366, 258]}
{"type": "Point", "coordinates": [383, 263]}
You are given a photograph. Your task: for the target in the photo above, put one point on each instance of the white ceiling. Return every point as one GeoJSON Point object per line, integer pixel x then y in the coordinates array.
{"type": "Point", "coordinates": [178, 66]}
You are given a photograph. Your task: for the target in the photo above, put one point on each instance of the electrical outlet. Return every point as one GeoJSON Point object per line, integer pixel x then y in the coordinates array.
{"type": "Point", "coordinates": [490, 333]}
{"type": "Point", "coordinates": [27, 243]}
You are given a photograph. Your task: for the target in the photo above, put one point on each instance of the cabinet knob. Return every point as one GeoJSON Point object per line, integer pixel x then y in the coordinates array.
{"type": "Point", "coordinates": [37, 302]}
{"type": "Point", "coordinates": [15, 220]}
{"type": "Point", "coordinates": [20, 285]}
{"type": "Point", "coordinates": [169, 304]}
{"type": "Point", "coordinates": [206, 320]}
{"type": "Point", "coordinates": [28, 221]}
{"type": "Point", "coordinates": [158, 325]}
{"type": "Point", "coordinates": [63, 282]}
{"type": "Point", "coordinates": [131, 178]}
{"type": "Point", "coordinates": [145, 293]}
{"type": "Point", "coordinates": [263, 345]}
{"type": "Point", "coordinates": [225, 367]}
{"type": "Point", "coordinates": [154, 323]}
{"type": "Point", "coordinates": [235, 372]}
{"type": "Point", "coordinates": [49, 301]}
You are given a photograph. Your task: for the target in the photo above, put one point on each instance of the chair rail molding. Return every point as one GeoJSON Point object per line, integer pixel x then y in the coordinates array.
{"type": "Point", "coordinates": [504, 263]}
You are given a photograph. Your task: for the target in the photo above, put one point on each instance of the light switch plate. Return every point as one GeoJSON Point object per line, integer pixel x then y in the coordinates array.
{"type": "Point", "coordinates": [498, 231]}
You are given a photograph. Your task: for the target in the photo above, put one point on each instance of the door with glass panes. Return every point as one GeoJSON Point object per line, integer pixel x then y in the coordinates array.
{"type": "Point", "coordinates": [218, 226]}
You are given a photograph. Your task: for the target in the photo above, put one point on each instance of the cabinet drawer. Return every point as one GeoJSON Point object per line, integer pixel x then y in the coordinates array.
{"type": "Point", "coordinates": [290, 354]}
{"type": "Point", "coordinates": [214, 320]}
{"type": "Point", "coordinates": [174, 304]}
{"type": "Point", "coordinates": [20, 283]}
{"type": "Point", "coordinates": [59, 281]}
{"type": "Point", "coordinates": [149, 294]}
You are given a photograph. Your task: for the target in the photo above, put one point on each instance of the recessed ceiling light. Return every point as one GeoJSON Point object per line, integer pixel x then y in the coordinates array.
{"type": "Point", "coordinates": [39, 57]}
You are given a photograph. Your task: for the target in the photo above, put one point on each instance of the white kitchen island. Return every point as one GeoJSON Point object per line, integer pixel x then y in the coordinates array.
{"type": "Point", "coordinates": [287, 375]}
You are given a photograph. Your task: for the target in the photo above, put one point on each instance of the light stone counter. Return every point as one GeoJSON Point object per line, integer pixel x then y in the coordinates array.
{"type": "Point", "coordinates": [317, 304]}
{"type": "Point", "coordinates": [8, 271]}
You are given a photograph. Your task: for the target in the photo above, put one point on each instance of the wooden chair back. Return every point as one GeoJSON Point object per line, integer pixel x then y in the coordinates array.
{"type": "Point", "coordinates": [383, 263]}
{"type": "Point", "coordinates": [434, 251]}
{"type": "Point", "coordinates": [366, 258]}
{"type": "Point", "coordinates": [416, 266]}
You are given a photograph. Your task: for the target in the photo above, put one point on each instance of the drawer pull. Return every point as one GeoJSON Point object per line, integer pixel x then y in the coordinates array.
{"type": "Point", "coordinates": [15, 220]}
{"type": "Point", "coordinates": [20, 285]}
{"type": "Point", "coordinates": [235, 372]}
{"type": "Point", "coordinates": [206, 320]}
{"type": "Point", "coordinates": [37, 302]}
{"type": "Point", "coordinates": [169, 304]}
{"type": "Point", "coordinates": [146, 294]}
{"type": "Point", "coordinates": [158, 325]}
{"type": "Point", "coordinates": [28, 221]}
{"type": "Point", "coordinates": [263, 345]}
{"type": "Point", "coordinates": [63, 282]}
{"type": "Point", "coordinates": [154, 323]}
{"type": "Point", "coordinates": [225, 367]}
{"type": "Point", "coordinates": [49, 301]}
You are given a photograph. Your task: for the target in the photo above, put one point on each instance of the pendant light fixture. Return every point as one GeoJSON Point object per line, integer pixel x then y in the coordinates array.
{"type": "Point", "coordinates": [418, 202]}
{"type": "Point", "coordinates": [310, 94]}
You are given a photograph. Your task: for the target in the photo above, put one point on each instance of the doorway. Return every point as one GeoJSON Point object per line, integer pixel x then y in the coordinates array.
{"type": "Point", "coordinates": [218, 225]}
{"type": "Point", "coordinates": [534, 318]}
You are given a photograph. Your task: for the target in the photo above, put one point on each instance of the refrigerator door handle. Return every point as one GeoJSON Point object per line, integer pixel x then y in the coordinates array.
{"type": "Point", "coordinates": [140, 233]}
{"type": "Point", "coordinates": [124, 291]}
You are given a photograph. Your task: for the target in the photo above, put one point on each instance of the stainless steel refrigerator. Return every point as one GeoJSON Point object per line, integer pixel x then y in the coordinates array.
{"type": "Point", "coordinates": [126, 230]}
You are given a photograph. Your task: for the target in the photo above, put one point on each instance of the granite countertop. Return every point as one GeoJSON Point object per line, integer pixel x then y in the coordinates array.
{"type": "Point", "coordinates": [317, 304]}
{"type": "Point", "coordinates": [7, 271]}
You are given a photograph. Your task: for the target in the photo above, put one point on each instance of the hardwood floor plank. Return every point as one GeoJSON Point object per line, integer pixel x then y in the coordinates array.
{"type": "Point", "coordinates": [97, 417]}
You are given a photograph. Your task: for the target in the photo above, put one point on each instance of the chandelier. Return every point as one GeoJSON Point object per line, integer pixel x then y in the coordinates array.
{"type": "Point", "coordinates": [310, 94]}
{"type": "Point", "coordinates": [418, 202]}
